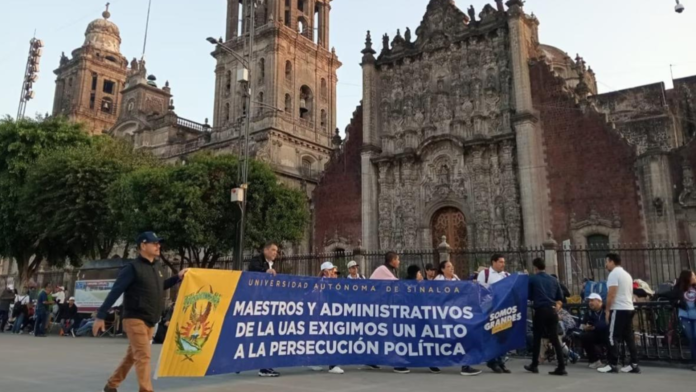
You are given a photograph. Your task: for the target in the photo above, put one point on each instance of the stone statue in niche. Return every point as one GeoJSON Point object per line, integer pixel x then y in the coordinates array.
{"type": "Point", "coordinates": [491, 80]}
{"type": "Point", "coordinates": [443, 175]}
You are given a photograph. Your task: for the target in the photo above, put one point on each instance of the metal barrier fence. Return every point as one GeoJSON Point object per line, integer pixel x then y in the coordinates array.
{"type": "Point", "coordinates": [659, 335]}
{"type": "Point", "coordinates": [655, 264]}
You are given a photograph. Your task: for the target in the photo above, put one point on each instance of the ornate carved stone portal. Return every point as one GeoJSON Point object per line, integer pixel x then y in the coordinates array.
{"type": "Point", "coordinates": [441, 113]}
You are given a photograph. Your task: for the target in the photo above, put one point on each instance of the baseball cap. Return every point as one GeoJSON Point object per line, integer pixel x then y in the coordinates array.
{"type": "Point", "coordinates": [71, 299]}
{"type": "Point", "coordinates": [148, 237]}
{"type": "Point", "coordinates": [327, 265]}
{"type": "Point", "coordinates": [594, 296]}
{"type": "Point", "coordinates": [352, 264]}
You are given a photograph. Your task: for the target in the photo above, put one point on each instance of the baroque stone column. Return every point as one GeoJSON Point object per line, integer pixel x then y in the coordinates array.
{"type": "Point", "coordinates": [370, 149]}
{"type": "Point", "coordinates": [530, 151]}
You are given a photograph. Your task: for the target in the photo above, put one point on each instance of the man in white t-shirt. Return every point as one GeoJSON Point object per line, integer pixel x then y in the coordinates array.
{"type": "Point", "coordinates": [495, 273]}
{"type": "Point", "coordinates": [619, 314]}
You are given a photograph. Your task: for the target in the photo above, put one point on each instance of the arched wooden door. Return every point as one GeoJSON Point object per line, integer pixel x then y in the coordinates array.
{"type": "Point", "coordinates": [450, 222]}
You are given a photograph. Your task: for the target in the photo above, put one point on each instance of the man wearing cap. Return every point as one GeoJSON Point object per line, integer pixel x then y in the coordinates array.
{"type": "Point", "coordinates": [353, 270]}
{"type": "Point", "coordinates": [595, 330]}
{"type": "Point", "coordinates": [142, 286]}
{"type": "Point", "coordinates": [69, 315]}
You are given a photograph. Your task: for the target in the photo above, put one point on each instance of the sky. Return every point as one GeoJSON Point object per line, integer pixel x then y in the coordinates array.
{"type": "Point", "coordinates": [627, 42]}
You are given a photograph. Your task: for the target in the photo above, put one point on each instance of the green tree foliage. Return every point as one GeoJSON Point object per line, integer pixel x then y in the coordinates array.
{"type": "Point", "coordinates": [190, 206]}
{"type": "Point", "coordinates": [65, 198]}
{"type": "Point", "coordinates": [22, 143]}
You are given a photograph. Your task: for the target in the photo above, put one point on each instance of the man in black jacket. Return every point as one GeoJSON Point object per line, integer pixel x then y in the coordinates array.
{"type": "Point", "coordinates": [595, 330]}
{"type": "Point", "coordinates": [265, 262]}
{"type": "Point", "coordinates": [142, 286]}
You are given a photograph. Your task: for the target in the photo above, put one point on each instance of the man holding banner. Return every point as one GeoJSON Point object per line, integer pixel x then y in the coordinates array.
{"type": "Point", "coordinates": [264, 263]}
{"type": "Point", "coordinates": [142, 287]}
{"type": "Point", "coordinates": [487, 277]}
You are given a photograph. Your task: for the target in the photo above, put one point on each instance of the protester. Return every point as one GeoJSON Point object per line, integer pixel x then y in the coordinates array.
{"type": "Point", "coordinates": [446, 271]}
{"type": "Point", "coordinates": [69, 315]}
{"type": "Point", "coordinates": [595, 331]}
{"type": "Point", "coordinates": [6, 298]}
{"type": "Point", "coordinates": [264, 263]}
{"type": "Point", "coordinates": [414, 273]}
{"type": "Point", "coordinates": [353, 270]}
{"type": "Point", "coordinates": [685, 296]}
{"type": "Point", "coordinates": [20, 312]}
{"type": "Point", "coordinates": [141, 285]}
{"type": "Point", "coordinates": [564, 288]}
{"type": "Point", "coordinates": [59, 299]}
{"type": "Point", "coordinates": [619, 315]}
{"type": "Point", "coordinates": [44, 303]}
{"type": "Point", "coordinates": [430, 271]}
{"type": "Point", "coordinates": [328, 271]}
{"type": "Point", "coordinates": [493, 274]}
{"type": "Point", "coordinates": [546, 294]}
{"type": "Point", "coordinates": [388, 271]}
{"type": "Point", "coordinates": [566, 326]}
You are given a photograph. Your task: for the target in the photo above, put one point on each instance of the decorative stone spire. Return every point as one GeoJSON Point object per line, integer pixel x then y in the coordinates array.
{"type": "Point", "coordinates": [385, 43]}
{"type": "Point", "coordinates": [407, 35]}
{"type": "Point", "coordinates": [368, 52]}
{"type": "Point", "coordinates": [499, 5]}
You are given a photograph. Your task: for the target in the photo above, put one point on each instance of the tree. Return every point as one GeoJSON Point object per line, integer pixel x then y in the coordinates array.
{"type": "Point", "coordinates": [64, 200]}
{"type": "Point", "coordinates": [190, 206]}
{"type": "Point", "coordinates": [21, 144]}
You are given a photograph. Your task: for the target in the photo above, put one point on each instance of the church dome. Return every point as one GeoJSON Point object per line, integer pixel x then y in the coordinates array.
{"type": "Point", "coordinates": [104, 34]}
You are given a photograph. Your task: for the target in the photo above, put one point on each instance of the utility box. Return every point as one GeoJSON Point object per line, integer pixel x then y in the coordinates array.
{"type": "Point", "coordinates": [242, 75]}
{"type": "Point", "coordinates": [237, 195]}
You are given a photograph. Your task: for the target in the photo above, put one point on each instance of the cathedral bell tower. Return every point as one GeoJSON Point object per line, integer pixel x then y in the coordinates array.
{"type": "Point", "coordinates": [293, 75]}
{"type": "Point", "coordinates": [88, 85]}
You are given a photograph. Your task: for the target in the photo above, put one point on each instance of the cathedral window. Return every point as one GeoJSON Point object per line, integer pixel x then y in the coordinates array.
{"type": "Point", "coordinates": [597, 246]}
{"type": "Point", "coordinates": [288, 103]}
{"type": "Point", "coordinates": [92, 100]}
{"type": "Point", "coordinates": [301, 5]}
{"type": "Point", "coordinates": [324, 89]}
{"type": "Point", "coordinates": [260, 104]}
{"type": "Point", "coordinates": [302, 26]}
{"type": "Point", "coordinates": [109, 87]}
{"type": "Point", "coordinates": [306, 102]}
{"type": "Point", "coordinates": [227, 112]}
{"type": "Point", "coordinates": [228, 83]}
{"type": "Point", "coordinates": [306, 167]}
{"type": "Point", "coordinates": [323, 118]}
{"type": "Point", "coordinates": [288, 70]}
{"type": "Point", "coordinates": [317, 23]}
{"type": "Point", "coordinates": [94, 81]}
{"type": "Point", "coordinates": [262, 69]}
{"type": "Point", "coordinates": [107, 106]}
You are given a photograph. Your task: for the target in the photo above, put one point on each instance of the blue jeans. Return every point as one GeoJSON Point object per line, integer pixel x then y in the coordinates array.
{"type": "Point", "coordinates": [689, 326]}
{"type": "Point", "coordinates": [18, 324]}
{"type": "Point", "coordinates": [40, 324]}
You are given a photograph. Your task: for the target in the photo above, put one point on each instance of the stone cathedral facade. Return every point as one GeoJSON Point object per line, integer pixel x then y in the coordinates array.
{"type": "Point", "coordinates": [473, 129]}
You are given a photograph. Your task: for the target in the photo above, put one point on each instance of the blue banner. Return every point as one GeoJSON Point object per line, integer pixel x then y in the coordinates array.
{"type": "Point", "coordinates": [286, 321]}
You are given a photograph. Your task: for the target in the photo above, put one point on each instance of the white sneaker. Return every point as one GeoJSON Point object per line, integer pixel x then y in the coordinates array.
{"type": "Point", "coordinates": [336, 370]}
{"type": "Point", "coordinates": [596, 365]}
{"type": "Point", "coordinates": [315, 368]}
{"type": "Point", "coordinates": [608, 369]}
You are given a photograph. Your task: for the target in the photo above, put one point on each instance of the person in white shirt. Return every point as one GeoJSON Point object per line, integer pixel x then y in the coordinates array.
{"type": "Point", "coordinates": [328, 271]}
{"type": "Point", "coordinates": [495, 273]}
{"type": "Point", "coordinates": [619, 314]}
{"type": "Point", "coordinates": [353, 270]}
{"type": "Point", "coordinates": [446, 271]}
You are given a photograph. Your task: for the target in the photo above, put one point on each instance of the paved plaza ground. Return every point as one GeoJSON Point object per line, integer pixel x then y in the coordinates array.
{"type": "Point", "coordinates": [82, 365]}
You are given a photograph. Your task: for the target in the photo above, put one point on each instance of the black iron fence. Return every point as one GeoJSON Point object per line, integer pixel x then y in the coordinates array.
{"type": "Point", "coordinates": [658, 333]}
{"type": "Point", "coordinates": [655, 264]}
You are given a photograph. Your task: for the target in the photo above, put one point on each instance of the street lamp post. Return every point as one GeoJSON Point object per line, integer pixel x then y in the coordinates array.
{"type": "Point", "coordinates": [251, 6]}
